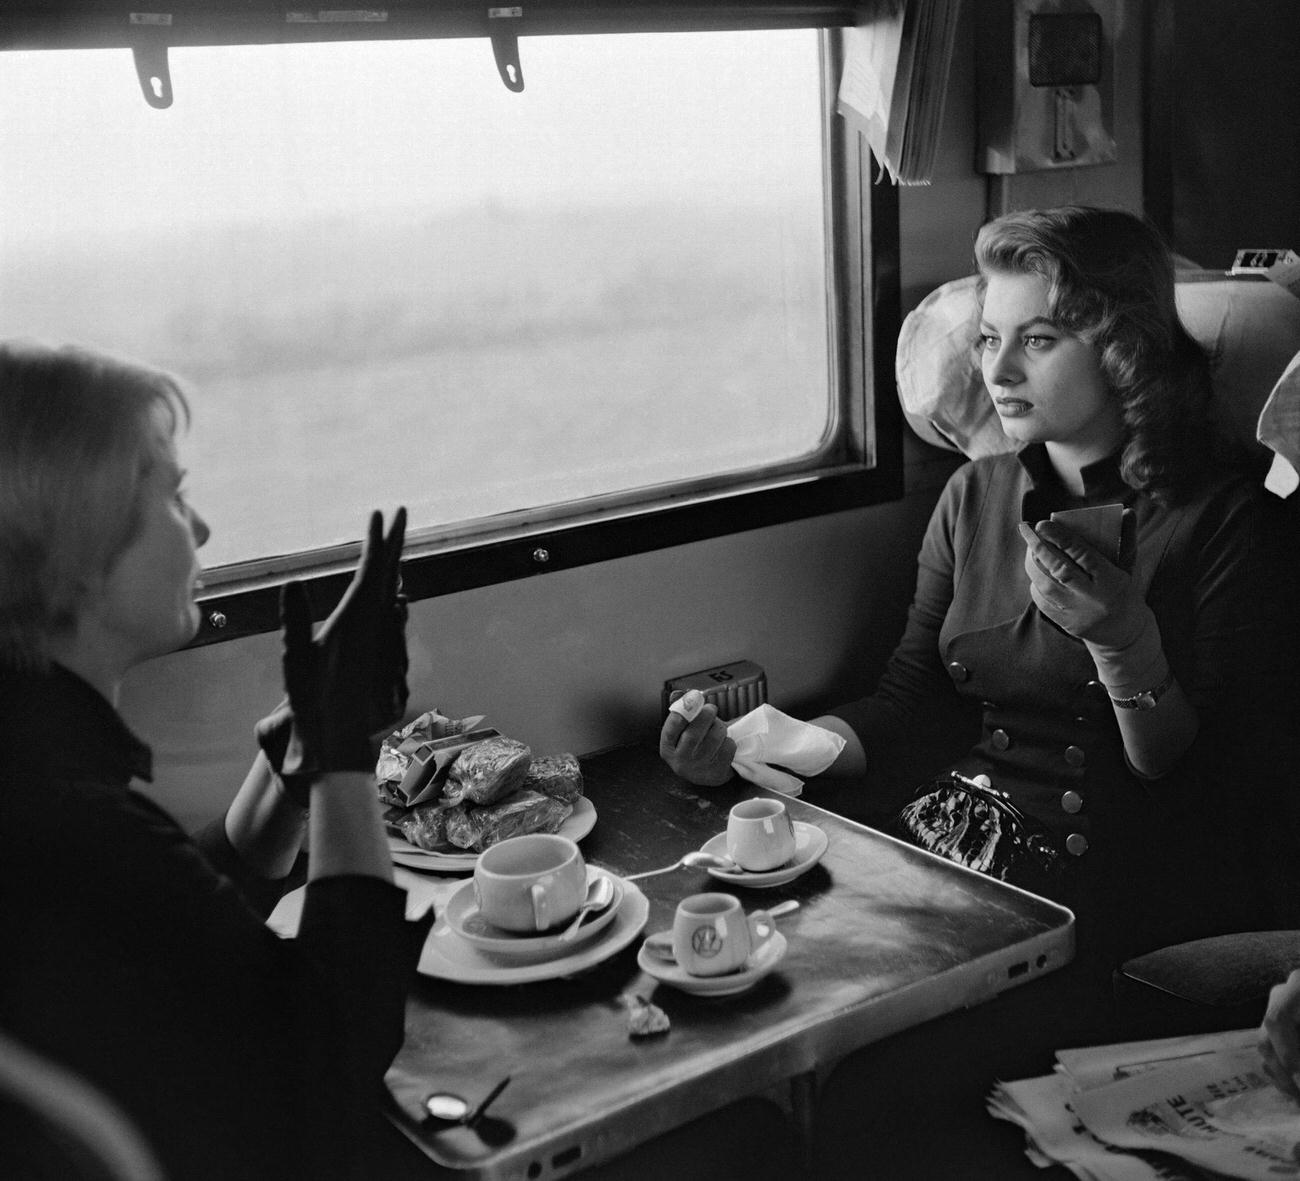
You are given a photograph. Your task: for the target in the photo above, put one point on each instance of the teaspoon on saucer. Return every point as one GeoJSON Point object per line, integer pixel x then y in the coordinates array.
{"type": "Point", "coordinates": [696, 859]}
{"type": "Point", "coordinates": [599, 895]}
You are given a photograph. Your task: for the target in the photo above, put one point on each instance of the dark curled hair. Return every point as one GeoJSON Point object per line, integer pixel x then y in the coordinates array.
{"type": "Point", "coordinates": [1111, 282]}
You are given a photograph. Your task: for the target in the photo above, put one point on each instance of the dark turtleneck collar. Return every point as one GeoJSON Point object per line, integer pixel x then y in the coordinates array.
{"type": "Point", "coordinates": [54, 723]}
{"type": "Point", "coordinates": [1100, 478]}
{"type": "Point", "coordinates": [1102, 484]}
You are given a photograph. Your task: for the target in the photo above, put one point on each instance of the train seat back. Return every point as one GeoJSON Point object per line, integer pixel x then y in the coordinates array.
{"type": "Point", "coordinates": [1250, 327]}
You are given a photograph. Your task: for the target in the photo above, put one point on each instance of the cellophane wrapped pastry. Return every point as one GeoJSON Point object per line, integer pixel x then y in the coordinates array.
{"type": "Point", "coordinates": [453, 788]}
{"type": "Point", "coordinates": [415, 760]}
{"type": "Point", "coordinates": [425, 825]}
{"type": "Point", "coordinates": [487, 771]}
{"type": "Point", "coordinates": [559, 776]}
{"type": "Point", "coordinates": [519, 813]}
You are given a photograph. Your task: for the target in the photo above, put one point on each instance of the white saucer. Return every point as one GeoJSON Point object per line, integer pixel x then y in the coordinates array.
{"type": "Point", "coordinates": [576, 826]}
{"type": "Point", "coordinates": [463, 917]}
{"type": "Point", "coordinates": [756, 967]}
{"type": "Point", "coordinates": [809, 844]}
{"type": "Point", "coordinates": [447, 956]}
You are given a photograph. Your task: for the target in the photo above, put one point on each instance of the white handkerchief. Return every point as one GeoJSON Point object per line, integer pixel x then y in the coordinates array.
{"type": "Point", "coordinates": [766, 736]}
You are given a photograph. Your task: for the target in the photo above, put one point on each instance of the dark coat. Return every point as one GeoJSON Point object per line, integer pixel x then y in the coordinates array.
{"type": "Point", "coordinates": [128, 957]}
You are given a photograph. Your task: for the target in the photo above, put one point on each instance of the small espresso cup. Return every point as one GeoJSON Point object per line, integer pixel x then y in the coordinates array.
{"type": "Point", "coordinates": [530, 883]}
{"type": "Point", "coordinates": [712, 935]}
{"type": "Point", "coordinates": [760, 834]}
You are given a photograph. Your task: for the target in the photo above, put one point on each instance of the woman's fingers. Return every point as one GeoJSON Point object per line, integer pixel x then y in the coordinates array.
{"type": "Point", "coordinates": [712, 742]}
{"type": "Point", "coordinates": [295, 615]}
{"type": "Point", "coordinates": [1280, 1034]}
{"type": "Point", "coordinates": [1059, 559]}
{"type": "Point", "coordinates": [392, 551]}
{"type": "Point", "coordinates": [371, 545]}
{"type": "Point", "coordinates": [697, 741]}
{"type": "Point", "coordinates": [671, 731]}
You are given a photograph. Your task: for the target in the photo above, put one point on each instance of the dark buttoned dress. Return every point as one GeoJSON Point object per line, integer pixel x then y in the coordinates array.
{"type": "Point", "coordinates": [1144, 862]}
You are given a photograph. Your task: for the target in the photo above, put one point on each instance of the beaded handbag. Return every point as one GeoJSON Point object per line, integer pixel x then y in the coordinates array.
{"type": "Point", "coordinates": [975, 825]}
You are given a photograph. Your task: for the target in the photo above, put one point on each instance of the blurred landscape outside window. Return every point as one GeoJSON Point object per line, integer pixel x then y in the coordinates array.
{"type": "Point", "coordinates": [389, 280]}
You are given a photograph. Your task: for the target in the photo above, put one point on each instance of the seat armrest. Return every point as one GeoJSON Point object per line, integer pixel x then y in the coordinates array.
{"type": "Point", "coordinates": [1206, 984]}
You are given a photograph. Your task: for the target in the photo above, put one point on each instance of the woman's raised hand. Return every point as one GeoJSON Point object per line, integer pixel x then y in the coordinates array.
{"type": "Point", "coordinates": [348, 683]}
{"type": "Point", "coordinates": [1081, 591]}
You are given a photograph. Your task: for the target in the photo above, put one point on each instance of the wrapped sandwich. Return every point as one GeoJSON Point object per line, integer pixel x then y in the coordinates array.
{"type": "Point", "coordinates": [487, 771]}
{"type": "Point", "coordinates": [521, 812]}
{"type": "Point", "coordinates": [425, 825]}
{"type": "Point", "coordinates": [415, 761]}
{"type": "Point", "coordinates": [555, 775]}
{"type": "Point", "coordinates": [493, 787]}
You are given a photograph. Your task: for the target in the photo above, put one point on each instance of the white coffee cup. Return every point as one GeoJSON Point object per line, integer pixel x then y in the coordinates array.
{"type": "Point", "coordinates": [712, 935]}
{"type": "Point", "coordinates": [530, 883]}
{"type": "Point", "coordinates": [760, 834]}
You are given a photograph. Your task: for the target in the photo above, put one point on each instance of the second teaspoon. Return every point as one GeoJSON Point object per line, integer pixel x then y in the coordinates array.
{"type": "Point", "coordinates": [698, 860]}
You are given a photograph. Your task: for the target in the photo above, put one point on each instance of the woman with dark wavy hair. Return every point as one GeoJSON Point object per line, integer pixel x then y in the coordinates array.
{"type": "Point", "coordinates": [1110, 281]}
{"type": "Point", "coordinates": [1094, 671]}
{"type": "Point", "coordinates": [1103, 674]}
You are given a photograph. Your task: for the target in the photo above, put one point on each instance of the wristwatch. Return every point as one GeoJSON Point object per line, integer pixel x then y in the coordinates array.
{"type": "Point", "coordinates": [1147, 698]}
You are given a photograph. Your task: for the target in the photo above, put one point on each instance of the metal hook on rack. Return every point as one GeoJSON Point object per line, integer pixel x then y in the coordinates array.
{"type": "Point", "coordinates": [505, 45]}
{"type": "Point", "coordinates": [155, 77]}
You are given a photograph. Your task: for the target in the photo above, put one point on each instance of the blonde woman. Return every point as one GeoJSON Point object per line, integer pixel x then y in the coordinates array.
{"type": "Point", "coordinates": [135, 955]}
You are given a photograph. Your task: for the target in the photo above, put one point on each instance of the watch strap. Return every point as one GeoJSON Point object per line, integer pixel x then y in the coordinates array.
{"type": "Point", "coordinates": [1147, 698]}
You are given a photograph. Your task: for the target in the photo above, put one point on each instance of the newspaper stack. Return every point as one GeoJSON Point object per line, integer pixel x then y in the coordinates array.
{"type": "Point", "coordinates": [1192, 1108]}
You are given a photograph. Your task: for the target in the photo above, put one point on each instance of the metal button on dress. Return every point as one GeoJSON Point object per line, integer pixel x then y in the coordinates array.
{"type": "Point", "coordinates": [1076, 844]}
{"type": "Point", "coordinates": [958, 671]}
{"type": "Point", "coordinates": [1071, 802]}
{"type": "Point", "coordinates": [1000, 739]}
{"type": "Point", "coordinates": [1074, 756]}
{"type": "Point", "coordinates": [1097, 691]}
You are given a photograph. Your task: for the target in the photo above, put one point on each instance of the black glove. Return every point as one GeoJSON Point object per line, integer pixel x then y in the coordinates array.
{"type": "Point", "coordinates": [349, 682]}
{"type": "Point", "coordinates": [273, 734]}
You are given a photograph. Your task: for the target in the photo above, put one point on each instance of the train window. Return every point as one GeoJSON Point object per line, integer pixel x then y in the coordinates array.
{"type": "Point", "coordinates": [390, 280]}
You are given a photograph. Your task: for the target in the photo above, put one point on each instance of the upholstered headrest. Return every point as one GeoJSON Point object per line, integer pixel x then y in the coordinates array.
{"type": "Point", "coordinates": [1251, 328]}
{"type": "Point", "coordinates": [1279, 430]}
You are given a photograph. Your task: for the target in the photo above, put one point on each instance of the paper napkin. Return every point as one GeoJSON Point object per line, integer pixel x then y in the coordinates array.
{"type": "Point", "coordinates": [767, 739]}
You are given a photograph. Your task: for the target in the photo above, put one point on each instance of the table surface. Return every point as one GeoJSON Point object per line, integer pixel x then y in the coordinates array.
{"type": "Point", "coordinates": [886, 936]}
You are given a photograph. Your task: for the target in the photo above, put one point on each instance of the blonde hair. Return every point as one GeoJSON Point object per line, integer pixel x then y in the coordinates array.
{"type": "Point", "coordinates": [79, 432]}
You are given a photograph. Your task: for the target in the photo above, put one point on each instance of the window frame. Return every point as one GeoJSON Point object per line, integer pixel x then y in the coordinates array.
{"type": "Point", "coordinates": [862, 248]}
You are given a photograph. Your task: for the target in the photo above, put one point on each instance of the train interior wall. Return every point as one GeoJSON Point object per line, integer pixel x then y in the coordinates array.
{"type": "Point", "coordinates": [575, 660]}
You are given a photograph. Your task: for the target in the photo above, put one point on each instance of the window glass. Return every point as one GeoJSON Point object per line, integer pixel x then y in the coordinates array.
{"type": "Point", "coordinates": [390, 280]}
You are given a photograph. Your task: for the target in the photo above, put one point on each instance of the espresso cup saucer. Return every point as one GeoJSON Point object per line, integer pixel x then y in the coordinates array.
{"type": "Point", "coordinates": [755, 968]}
{"type": "Point", "coordinates": [809, 844]}
{"type": "Point", "coordinates": [463, 917]}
